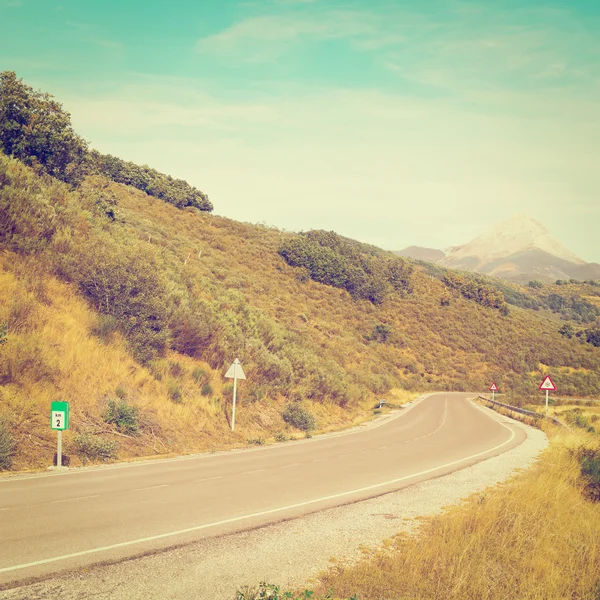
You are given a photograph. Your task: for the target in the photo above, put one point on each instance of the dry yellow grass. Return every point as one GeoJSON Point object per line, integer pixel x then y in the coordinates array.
{"type": "Point", "coordinates": [533, 537]}
{"type": "Point", "coordinates": [51, 355]}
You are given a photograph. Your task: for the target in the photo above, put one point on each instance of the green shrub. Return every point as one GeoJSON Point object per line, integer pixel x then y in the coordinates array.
{"type": "Point", "coordinates": [3, 333]}
{"type": "Point", "coordinates": [105, 327]}
{"type": "Point", "coordinates": [7, 447]}
{"type": "Point", "coordinates": [175, 394]}
{"type": "Point", "coordinates": [590, 470]}
{"type": "Point", "coordinates": [206, 389]}
{"type": "Point", "coordinates": [281, 437]}
{"type": "Point", "coordinates": [299, 417]}
{"type": "Point", "coordinates": [94, 447]}
{"type": "Point", "coordinates": [199, 376]}
{"type": "Point", "coordinates": [123, 415]}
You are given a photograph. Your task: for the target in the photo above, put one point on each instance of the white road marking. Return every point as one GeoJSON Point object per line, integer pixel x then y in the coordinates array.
{"type": "Point", "coordinates": [161, 536]}
{"type": "Point", "coordinates": [72, 499]}
{"type": "Point", "coordinates": [207, 479]}
{"type": "Point", "coordinates": [152, 487]}
{"type": "Point", "coordinates": [252, 472]}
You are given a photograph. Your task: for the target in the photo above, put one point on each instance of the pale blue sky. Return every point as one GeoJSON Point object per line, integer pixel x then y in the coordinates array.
{"type": "Point", "coordinates": [393, 122]}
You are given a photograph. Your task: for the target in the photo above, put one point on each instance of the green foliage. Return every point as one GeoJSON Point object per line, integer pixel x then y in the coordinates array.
{"type": "Point", "coordinates": [299, 417]}
{"type": "Point", "coordinates": [206, 389]}
{"type": "Point", "coordinates": [572, 307]}
{"type": "Point", "coordinates": [477, 289]}
{"type": "Point", "coordinates": [364, 271]}
{"type": "Point", "coordinates": [200, 376]}
{"type": "Point", "coordinates": [267, 591]}
{"type": "Point", "coordinates": [535, 284]}
{"type": "Point", "coordinates": [105, 327]}
{"type": "Point", "coordinates": [124, 281]}
{"type": "Point", "coordinates": [35, 129]}
{"type": "Point", "coordinates": [3, 333]}
{"type": "Point", "coordinates": [94, 447]}
{"type": "Point", "coordinates": [175, 394]}
{"type": "Point", "coordinates": [592, 336]}
{"type": "Point", "coordinates": [123, 415]}
{"type": "Point", "coordinates": [7, 447]}
{"type": "Point", "coordinates": [589, 460]}
{"type": "Point", "coordinates": [567, 330]}
{"type": "Point", "coordinates": [174, 191]}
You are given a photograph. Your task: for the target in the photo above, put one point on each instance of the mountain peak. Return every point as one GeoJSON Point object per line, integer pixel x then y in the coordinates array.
{"type": "Point", "coordinates": [520, 233]}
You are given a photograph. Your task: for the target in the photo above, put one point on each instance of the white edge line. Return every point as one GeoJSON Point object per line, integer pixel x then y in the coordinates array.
{"type": "Point", "coordinates": [231, 452]}
{"type": "Point", "coordinates": [263, 513]}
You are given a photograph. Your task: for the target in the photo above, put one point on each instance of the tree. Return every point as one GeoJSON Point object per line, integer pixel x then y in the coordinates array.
{"type": "Point", "coordinates": [35, 129]}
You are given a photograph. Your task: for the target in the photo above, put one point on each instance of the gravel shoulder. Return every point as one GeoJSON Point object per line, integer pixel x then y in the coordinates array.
{"type": "Point", "coordinates": [288, 553]}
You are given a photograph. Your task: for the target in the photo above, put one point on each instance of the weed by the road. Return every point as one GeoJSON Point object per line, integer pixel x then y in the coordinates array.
{"type": "Point", "coordinates": [267, 591]}
{"type": "Point", "coordinates": [94, 447]}
{"type": "Point", "coordinates": [7, 447]}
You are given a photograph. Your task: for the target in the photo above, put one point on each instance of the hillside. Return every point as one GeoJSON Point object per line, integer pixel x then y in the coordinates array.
{"type": "Point", "coordinates": [149, 307]}
{"type": "Point", "coordinates": [123, 295]}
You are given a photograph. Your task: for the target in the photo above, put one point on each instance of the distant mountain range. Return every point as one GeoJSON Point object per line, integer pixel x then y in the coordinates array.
{"type": "Point", "coordinates": [519, 249]}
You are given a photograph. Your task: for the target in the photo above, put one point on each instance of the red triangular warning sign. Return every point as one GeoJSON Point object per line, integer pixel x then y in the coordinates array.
{"type": "Point", "coordinates": [493, 387]}
{"type": "Point", "coordinates": [548, 384]}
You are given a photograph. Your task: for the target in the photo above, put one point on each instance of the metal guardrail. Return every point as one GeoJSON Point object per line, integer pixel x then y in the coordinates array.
{"type": "Point", "coordinates": [528, 413]}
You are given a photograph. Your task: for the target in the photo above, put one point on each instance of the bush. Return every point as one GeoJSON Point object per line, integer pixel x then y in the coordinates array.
{"type": "Point", "coordinates": [7, 447]}
{"type": "Point", "coordinates": [206, 389]}
{"type": "Point", "coordinates": [299, 417]}
{"type": "Point", "coordinates": [105, 327]}
{"type": "Point", "coordinates": [123, 415]}
{"type": "Point", "coordinates": [590, 470]}
{"type": "Point", "coordinates": [94, 447]}
{"type": "Point", "coordinates": [175, 394]}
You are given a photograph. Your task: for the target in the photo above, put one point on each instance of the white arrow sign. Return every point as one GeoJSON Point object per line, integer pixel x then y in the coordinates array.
{"type": "Point", "coordinates": [235, 371]}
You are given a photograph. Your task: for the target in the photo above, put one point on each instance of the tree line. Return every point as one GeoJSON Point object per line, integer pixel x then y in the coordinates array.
{"type": "Point", "coordinates": [35, 129]}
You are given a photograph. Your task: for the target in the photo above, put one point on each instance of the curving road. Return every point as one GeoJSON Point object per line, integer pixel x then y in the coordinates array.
{"type": "Point", "coordinates": [58, 521]}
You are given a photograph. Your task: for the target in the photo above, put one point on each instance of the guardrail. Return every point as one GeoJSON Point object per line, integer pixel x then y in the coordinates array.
{"type": "Point", "coordinates": [528, 413]}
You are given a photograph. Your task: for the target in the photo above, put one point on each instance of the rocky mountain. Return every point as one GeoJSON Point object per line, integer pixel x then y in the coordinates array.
{"type": "Point", "coordinates": [518, 249]}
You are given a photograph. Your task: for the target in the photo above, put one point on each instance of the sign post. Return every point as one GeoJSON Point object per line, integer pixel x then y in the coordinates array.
{"type": "Point", "coordinates": [547, 385]}
{"type": "Point", "coordinates": [235, 372]}
{"type": "Point", "coordinates": [493, 389]}
{"type": "Point", "coordinates": [59, 421]}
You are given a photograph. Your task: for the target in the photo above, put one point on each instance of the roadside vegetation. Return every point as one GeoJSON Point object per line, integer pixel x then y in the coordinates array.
{"type": "Point", "coordinates": [118, 285]}
{"type": "Point", "coordinates": [534, 536]}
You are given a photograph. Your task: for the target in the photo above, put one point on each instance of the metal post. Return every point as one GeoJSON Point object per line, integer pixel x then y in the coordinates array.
{"type": "Point", "coordinates": [546, 401]}
{"type": "Point", "coordinates": [492, 395]}
{"type": "Point", "coordinates": [234, 396]}
{"type": "Point", "coordinates": [59, 449]}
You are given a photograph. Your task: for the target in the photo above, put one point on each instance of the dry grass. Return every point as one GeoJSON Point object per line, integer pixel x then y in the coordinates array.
{"type": "Point", "coordinates": [51, 355]}
{"type": "Point", "coordinates": [534, 537]}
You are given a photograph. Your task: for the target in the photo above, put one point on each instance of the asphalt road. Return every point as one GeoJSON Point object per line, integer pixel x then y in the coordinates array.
{"type": "Point", "coordinates": [59, 521]}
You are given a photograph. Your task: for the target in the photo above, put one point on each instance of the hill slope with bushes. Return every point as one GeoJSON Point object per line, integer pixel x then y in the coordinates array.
{"type": "Point", "coordinates": [131, 306]}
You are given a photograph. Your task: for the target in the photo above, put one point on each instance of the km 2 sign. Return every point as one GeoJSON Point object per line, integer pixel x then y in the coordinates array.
{"type": "Point", "coordinates": [59, 416]}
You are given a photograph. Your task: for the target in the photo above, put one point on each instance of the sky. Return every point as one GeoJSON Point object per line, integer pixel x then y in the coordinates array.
{"type": "Point", "coordinates": [417, 122]}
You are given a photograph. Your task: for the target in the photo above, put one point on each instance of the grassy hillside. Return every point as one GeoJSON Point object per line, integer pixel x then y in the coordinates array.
{"type": "Point", "coordinates": [142, 306]}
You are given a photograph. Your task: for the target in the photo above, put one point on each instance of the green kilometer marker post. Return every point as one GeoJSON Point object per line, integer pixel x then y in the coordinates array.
{"type": "Point", "coordinates": [59, 421]}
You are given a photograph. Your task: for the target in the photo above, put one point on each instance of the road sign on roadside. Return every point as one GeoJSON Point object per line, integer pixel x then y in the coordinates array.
{"type": "Point", "coordinates": [235, 372]}
{"type": "Point", "coordinates": [60, 417]}
{"type": "Point", "coordinates": [549, 386]}
{"type": "Point", "coordinates": [493, 388]}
